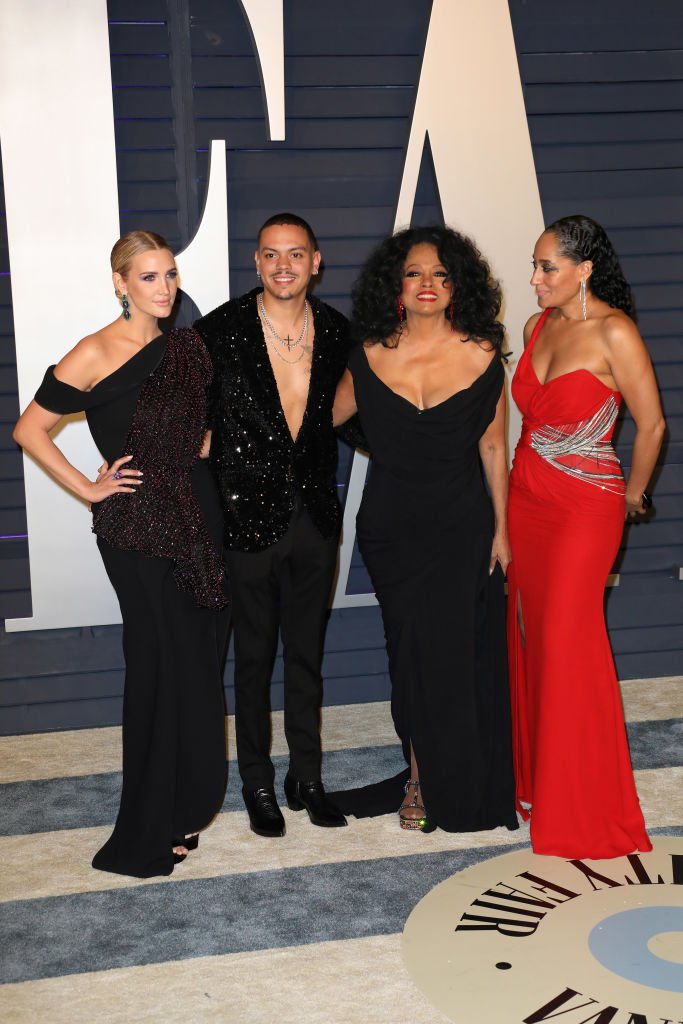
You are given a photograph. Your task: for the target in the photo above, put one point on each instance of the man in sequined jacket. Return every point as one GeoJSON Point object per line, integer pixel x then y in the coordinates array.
{"type": "Point", "coordinates": [278, 355]}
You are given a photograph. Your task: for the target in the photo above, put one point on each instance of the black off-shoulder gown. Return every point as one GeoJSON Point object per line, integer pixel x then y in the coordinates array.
{"type": "Point", "coordinates": [425, 528]}
{"type": "Point", "coordinates": [174, 765]}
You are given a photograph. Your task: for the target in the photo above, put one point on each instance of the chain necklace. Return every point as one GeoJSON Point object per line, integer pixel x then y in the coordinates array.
{"type": "Point", "coordinates": [285, 342]}
{"type": "Point", "coordinates": [290, 362]}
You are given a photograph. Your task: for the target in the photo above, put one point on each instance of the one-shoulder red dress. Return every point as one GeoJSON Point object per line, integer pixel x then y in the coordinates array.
{"type": "Point", "coordinates": [566, 517]}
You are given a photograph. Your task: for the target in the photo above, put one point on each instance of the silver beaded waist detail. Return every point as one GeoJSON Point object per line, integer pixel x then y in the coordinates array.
{"type": "Point", "coordinates": [588, 457]}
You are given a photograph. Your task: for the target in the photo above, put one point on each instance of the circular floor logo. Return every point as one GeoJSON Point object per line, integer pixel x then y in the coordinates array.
{"type": "Point", "coordinates": [522, 939]}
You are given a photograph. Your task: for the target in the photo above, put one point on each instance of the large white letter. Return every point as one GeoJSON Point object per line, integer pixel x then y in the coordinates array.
{"type": "Point", "coordinates": [470, 104]}
{"type": "Point", "coordinates": [59, 163]}
{"type": "Point", "coordinates": [205, 264]}
{"type": "Point", "coordinates": [265, 21]}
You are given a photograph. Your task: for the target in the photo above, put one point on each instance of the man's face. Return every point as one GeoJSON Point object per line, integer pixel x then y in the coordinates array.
{"type": "Point", "coordinates": [286, 261]}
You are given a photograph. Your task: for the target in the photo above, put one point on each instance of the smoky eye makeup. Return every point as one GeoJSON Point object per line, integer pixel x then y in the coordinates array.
{"type": "Point", "coordinates": [152, 276]}
{"type": "Point", "coordinates": [415, 271]}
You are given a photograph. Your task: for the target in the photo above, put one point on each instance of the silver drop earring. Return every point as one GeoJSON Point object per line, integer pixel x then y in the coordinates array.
{"type": "Point", "coordinates": [582, 296]}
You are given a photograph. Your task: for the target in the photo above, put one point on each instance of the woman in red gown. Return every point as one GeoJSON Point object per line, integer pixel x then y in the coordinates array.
{"type": "Point", "coordinates": [568, 499]}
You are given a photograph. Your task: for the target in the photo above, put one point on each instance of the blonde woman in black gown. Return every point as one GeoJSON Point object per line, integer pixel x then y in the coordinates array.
{"type": "Point", "coordinates": [158, 525]}
{"type": "Point", "coordinates": [428, 385]}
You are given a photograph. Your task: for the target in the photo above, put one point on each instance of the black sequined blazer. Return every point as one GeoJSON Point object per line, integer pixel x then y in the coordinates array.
{"type": "Point", "coordinates": [259, 468]}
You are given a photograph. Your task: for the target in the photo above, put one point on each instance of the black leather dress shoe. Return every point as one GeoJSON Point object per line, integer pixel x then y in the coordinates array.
{"type": "Point", "coordinates": [312, 797]}
{"type": "Point", "coordinates": [265, 817]}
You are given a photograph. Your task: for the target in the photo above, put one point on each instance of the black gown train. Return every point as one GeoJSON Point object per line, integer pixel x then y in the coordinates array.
{"type": "Point", "coordinates": [425, 529]}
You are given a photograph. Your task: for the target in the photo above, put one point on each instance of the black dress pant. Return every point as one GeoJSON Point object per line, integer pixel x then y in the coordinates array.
{"type": "Point", "coordinates": [286, 588]}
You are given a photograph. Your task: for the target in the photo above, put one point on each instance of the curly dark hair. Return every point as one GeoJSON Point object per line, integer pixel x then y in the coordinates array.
{"type": "Point", "coordinates": [477, 296]}
{"type": "Point", "coordinates": [580, 238]}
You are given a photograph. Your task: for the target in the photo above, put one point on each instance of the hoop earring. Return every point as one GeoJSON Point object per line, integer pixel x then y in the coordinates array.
{"type": "Point", "coordinates": [400, 310]}
{"type": "Point", "coordinates": [582, 296]}
{"type": "Point", "coordinates": [125, 307]}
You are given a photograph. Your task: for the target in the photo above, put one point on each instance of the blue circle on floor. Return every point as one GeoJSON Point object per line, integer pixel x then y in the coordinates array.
{"type": "Point", "coordinates": [619, 943]}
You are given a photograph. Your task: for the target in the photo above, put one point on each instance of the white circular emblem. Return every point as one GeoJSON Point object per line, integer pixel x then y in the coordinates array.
{"type": "Point", "coordinates": [523, 939]}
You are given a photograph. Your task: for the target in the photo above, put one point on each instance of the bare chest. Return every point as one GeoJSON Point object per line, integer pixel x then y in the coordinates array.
{"type": "Point", "coordinates": [428, 378]}
{"type": "Point", "coordinates": [292, 373]}
{"type": "Point", "coordinates": [564, 349]}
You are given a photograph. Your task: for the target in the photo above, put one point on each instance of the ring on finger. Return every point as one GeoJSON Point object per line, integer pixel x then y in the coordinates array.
{"type": "Point", "coordinates": [117, 475]}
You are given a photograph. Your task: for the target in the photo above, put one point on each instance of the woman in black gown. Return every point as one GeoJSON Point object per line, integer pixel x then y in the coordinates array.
{"type": "Point", "coordinates": [158, 524]}
{"type": "Point", "coordinates": [428, 385]}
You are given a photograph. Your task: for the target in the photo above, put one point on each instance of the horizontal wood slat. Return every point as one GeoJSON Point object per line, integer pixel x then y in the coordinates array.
{"type": "Point", "coordinates": [626, 66]}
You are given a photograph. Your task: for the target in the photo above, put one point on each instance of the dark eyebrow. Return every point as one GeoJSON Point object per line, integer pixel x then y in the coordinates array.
{"type": "Point", "coordinates": [432, 266]}
{"type": "Point", "coordinates": [293, 248]}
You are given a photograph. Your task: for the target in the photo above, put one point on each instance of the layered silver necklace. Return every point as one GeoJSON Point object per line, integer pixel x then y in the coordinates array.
{"type": "Point", "coordinates": [285, 342]}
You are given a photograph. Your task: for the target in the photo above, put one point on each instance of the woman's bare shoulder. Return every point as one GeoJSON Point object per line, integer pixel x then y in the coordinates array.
{"type": "Point", "coordinates": [483, 352]}
{"type": "Point", "coordinates": [616, 326]}
{"type": "Point", "coordinates": [620, 337]}
{"type": "Point", "coordinates": [80, 367]}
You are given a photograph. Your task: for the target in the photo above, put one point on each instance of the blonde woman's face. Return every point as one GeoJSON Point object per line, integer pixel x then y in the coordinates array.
{"type": "Point", "coordinates": [151, 283]}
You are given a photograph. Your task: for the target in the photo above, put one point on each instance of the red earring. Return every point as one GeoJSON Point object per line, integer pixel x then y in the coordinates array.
{"type": "Point", "coordinates": [400, 310]}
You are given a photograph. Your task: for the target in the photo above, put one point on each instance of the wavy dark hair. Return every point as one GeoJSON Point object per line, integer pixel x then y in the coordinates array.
{"type": "Point", "coordinates": [580, 238]}
{"type": "Point", "coordinates": [476, 294]}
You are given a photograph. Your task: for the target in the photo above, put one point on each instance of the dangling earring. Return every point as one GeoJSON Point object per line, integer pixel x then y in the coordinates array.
{"type": "Point", "coordinates": [582, 296]}
{"type": "Point", "coordinates": [258, 275]}
{"type": "Point", "coordinates": [125, 307]}
{"type": "Point", "coordinates": [451, 314]}
{"type": "Point", "coordinates": [400, 310]}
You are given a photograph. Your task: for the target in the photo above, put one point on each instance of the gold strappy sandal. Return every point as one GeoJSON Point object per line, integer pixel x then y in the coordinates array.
{"type": "Point", "coordinates": [419, 822]}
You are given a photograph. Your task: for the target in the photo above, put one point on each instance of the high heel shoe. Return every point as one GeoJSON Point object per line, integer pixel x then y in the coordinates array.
{"type": "Point", "coordinates": [189, 842]}
{"type": "Point", "coordinates": [417, 823]}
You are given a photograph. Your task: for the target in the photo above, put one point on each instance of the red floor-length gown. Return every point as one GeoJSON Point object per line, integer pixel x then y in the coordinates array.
{"type": "Point", "coordinates": [566, 518]}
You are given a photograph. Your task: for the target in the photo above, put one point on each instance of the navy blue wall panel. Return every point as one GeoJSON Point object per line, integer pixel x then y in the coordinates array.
{"type": "Point", "coordinates": [15, 597]}
{"type": "Point", "coordinates": [603, 88]}
{"type": "Point", "coordinates": [603, 92]}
